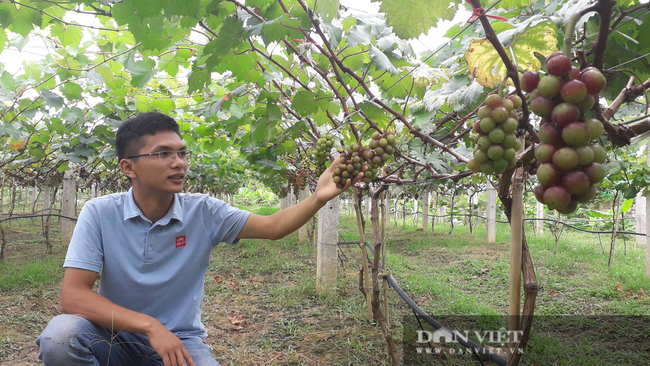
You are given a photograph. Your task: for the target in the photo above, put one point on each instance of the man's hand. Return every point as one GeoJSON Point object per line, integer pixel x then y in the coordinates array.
{"type": "Point", "coordinates": [326, 188]}
{"type": "Point", "coordinates": [169, 347]}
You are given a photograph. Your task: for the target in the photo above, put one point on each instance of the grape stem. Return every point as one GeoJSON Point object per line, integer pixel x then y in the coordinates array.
{"type": "Point", "coordinates": [569, 29]}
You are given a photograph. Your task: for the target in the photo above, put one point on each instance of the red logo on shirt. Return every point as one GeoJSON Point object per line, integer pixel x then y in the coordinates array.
{"type": "Point", "coordinates": [180, 241]}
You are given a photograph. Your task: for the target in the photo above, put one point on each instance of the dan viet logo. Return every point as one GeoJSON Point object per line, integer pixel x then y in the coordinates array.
{"type": "Point", "coordinates": [491, 341]}
{"type": "Point", "coordinates": [180, 241]}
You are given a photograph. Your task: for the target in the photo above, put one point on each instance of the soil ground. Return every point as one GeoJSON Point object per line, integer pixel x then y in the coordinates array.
{"type": "Point", "coordinates": [261, 307]}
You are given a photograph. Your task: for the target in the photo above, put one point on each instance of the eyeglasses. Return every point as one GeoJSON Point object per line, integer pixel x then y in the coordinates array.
{"type": "Point", "coordinates": [167, 156]}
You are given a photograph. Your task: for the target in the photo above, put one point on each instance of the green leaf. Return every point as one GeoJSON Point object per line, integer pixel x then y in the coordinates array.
{"type": "Point", "coordinates": [164, 105]}
{"type": "Point", "coordinates": [19, 19]}
{"type": "Point", "coordinates": [305, 104]}
{"type": "Point", "coordinates": [273, 111]}
{"type": "Point", "coordinates": [627, 205]}
{"type": "Point", "coordinates": [142, 104]}
{"type": "Point", "coordinates": [328, 9]}
{"type": "Point", "coordinates": [72, 91]}
{"type": "Point", "coordinates": [410, 18]}
{"type": "Point", "coordinates": [53, 100]}
{"type": "Point", "coordinates": [510, 4]}
{"type": "Point", "coordinates": [197, 79]}
{"type": "Point", "coordinates": [37, 152]}
{"type": "Point", "coordinates": [381, 61]}
{"type": "Point", "coordinates": [142, 72]}
{"type": "Point", "coordinates": [486, 65]}
{"type": "Point", "coordinates": [230, 35]}
{"type": "Point", "coordinates": [67, 34]}
{"type": "Point", "coordinates": [7, 83]}
{"type": "Point", "coordinates": [3, 39]}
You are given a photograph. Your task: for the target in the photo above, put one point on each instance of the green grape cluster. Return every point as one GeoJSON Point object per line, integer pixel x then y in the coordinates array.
{"type": "Point", "coordinates": [496, 143]}
{"type": "Point", "coordinates": [321, 152]}
{"type": "Point", "coordinates": [380, 150]}
{"type": "Point", "coordinates": [352, 163]}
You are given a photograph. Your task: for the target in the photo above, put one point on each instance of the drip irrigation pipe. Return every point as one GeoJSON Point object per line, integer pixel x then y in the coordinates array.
{"type": "Point", "coordinates": [429, 319]}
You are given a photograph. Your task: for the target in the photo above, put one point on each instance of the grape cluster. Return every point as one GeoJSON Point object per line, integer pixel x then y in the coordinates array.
{"type": "Point", "coordinates": [352, 163]}
{"type": "Point", "coordinates": [321, 152]}
{"type": "Point", "coordinates": [569, 164]}
{"type": "Point", "coordinates": [496, 143]}
{"type": "Point", "coordinates": [300, 179]}
{"type": "Point", "coordinates": [380, 150]}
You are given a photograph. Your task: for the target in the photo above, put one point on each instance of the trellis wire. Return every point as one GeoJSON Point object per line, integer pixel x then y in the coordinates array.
{"type": "Point", "coordinates": [418, 65]}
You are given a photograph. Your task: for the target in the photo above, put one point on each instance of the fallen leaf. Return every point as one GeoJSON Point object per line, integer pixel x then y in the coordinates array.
{"type": "Point", "coordinates": [237, 328]}
{"type": "Point", "coordinates": [218, 279]}
{"type": "Point", "coordinates": [619, 288]}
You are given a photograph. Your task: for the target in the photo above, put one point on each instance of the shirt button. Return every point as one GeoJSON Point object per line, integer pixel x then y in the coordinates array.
{"type": "Point", "coordinates": [149, 248]}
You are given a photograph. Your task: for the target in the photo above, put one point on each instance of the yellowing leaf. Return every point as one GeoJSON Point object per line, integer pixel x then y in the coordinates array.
{"type": "Point", "coordinates": [484, 62]}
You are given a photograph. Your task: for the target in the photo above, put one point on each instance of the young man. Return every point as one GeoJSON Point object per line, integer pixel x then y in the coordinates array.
{"type": "Point", "coordinates": [153, 246]}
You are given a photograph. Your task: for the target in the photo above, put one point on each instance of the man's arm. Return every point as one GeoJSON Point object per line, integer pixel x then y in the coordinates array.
{"type": "Point", "coordinates": [78, 298]}
{"type": "Point", "coordinates": [284, 222]}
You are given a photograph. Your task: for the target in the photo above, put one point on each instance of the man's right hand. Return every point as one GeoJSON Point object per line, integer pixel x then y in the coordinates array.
{"type": "Point", "coordinates": [168, 346]}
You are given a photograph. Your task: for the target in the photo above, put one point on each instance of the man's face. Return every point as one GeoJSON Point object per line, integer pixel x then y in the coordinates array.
{"type": "Point", "coordinates": [154, 174]}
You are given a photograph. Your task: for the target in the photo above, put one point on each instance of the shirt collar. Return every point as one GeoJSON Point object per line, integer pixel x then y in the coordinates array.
{"type": "Point", "coordinates": [132, 210]}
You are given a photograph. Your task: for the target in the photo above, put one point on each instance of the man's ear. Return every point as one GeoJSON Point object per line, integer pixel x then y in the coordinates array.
{"type": "Point", "coordinates": [127, 168]}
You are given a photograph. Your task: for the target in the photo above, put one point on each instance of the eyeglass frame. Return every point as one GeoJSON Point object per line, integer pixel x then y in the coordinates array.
{"type": "Point", "coordinates": [188, 155]}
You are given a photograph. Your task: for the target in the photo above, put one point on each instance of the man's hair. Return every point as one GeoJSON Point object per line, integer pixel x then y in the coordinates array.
{"type": "Point", "coordinates": [128, 138]}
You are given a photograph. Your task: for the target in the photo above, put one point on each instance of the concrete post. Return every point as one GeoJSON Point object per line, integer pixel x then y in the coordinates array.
{"type": "Point", "coordinates": [68, 207]}
{"type": "Point", "coordinates": [34, 197]}
{"type": "Point", "coordinates": [647, 222]}
{"type": "Point", "coordinates": [415, 212]}
{"type": "Point", "coordinates": [303, 232]}
{"type": "Point", "coordinates": [539, 224]}
{"type": "Point", "coordinates": [327, 248]}
{"type": "Point", "coordinates": [387, 201]}
{"type": "Point", "coordinates": [639, 207]}
{"type": "Point", "coordinates": [425, 210]}
{"type": "Point", "coordinates": [491, 214]}
{"type": "Point", "coordinates": [47, 198]}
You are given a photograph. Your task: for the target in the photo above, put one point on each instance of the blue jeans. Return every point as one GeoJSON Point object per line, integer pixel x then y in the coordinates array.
{"type": "Point", "coordinates": [70, 340]}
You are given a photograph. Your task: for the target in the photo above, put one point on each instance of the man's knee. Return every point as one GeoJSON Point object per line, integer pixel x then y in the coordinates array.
{"type": "Point", "coordinates": [64, 335]}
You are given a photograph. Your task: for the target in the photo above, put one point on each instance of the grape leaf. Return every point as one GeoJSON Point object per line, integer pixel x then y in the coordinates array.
{"type": "Point", "coordinates": [67, 34]}
{"type": "Point", "coordinates": [510, 4]}
{"type": "Point", "coordinates": [381, 61]}
{"type": "Point", "coordinates": [142, 72]}
{"type": "Point", "coordinates": [484, 62]}
{"type": "Point", "coordinates": [410, 18]}
{"type": "Point", "coordinates": [327, 9]}
{"type": "Point", "coordinates": [52, 99]}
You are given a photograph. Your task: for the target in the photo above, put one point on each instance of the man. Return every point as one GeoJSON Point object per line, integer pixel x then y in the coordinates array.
{"type": "Point", "coordinates": [153, 247]}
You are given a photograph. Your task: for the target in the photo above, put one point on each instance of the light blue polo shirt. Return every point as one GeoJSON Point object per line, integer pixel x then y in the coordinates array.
{"type": "Point", "coordinates": [154, 268]}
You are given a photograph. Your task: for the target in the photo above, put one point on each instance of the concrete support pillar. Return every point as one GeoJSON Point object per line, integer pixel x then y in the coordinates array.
{"type": "Point", "coordinates": [425, 210]}
{"type": "Point", "coordinates": [415, 212]}
{"type": "Point", "coordinates": [539, 224]}
{"type": "Point", "coordinates": [303, 232]}
{"type": "Point", "coordinates": [47, 198]}
{"type": "Point", "coordinates": [327, 248]}
{"type": "Point", "coordinates": [34, 197]}
{"type": "Point", "coordinates": [491, 214]}
{"type": "Point", "coordinates": [387, 201]}
{"type": "Point", "coordinates": [68, 206]}
{"type": "Point", "coordinates": [647, 222]}
{"type": "Point", "coordinates": [639, 208]}
{"type": "Point", "coordinates": [442, 211]}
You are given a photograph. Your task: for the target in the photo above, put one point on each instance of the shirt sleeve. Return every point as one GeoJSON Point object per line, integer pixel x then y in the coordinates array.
{"type": "Point", "coordinates": [86, 250]}
{"type": "Point", "coordinates": [223, 222]}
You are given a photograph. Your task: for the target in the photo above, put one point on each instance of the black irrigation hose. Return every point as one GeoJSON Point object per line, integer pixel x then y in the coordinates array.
{"type": "Point", "coordinates": [32, 216]}
{"type": "Point", "coordinates": [418, 311]}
